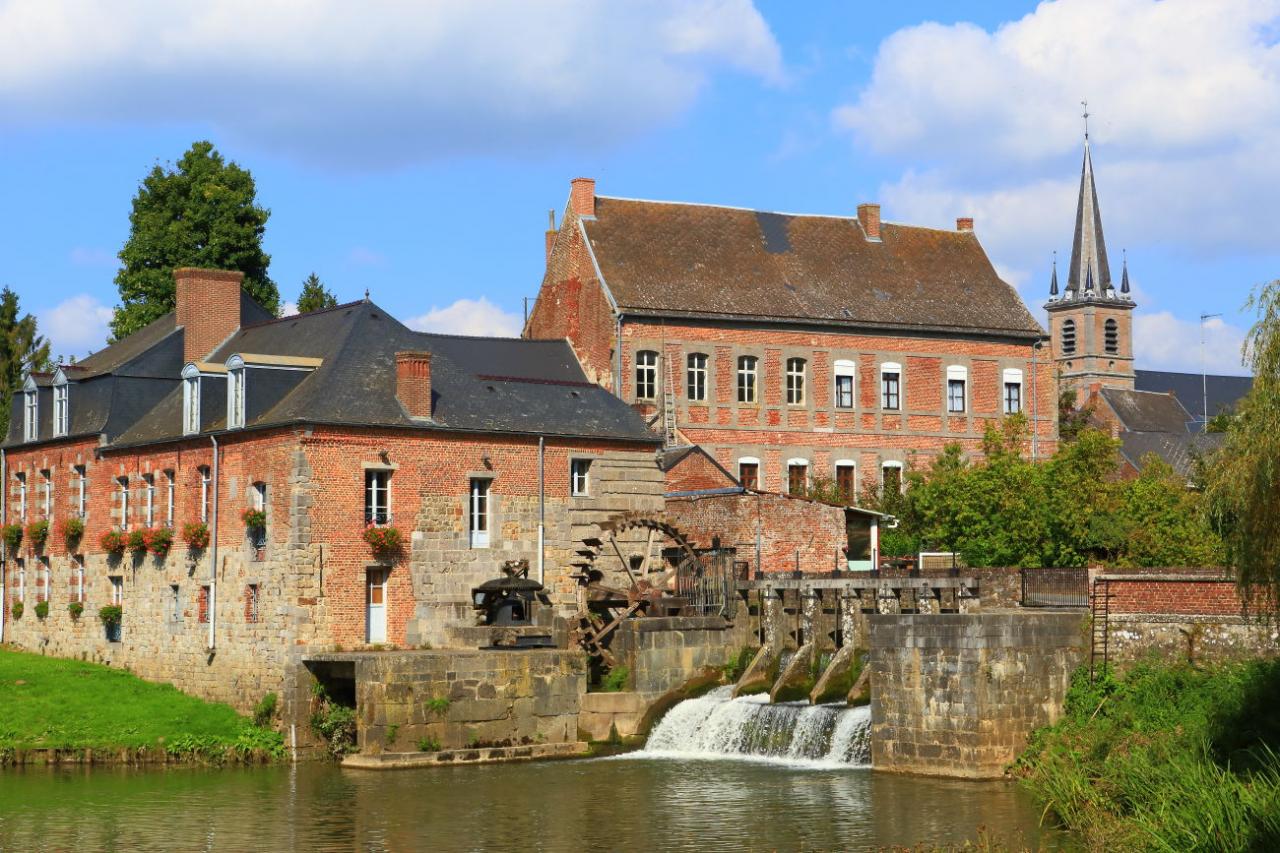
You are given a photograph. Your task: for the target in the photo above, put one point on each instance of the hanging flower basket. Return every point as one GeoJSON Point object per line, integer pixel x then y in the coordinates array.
{"type": "Point", "coordinates": [113, 542]}
{"type": "Point", "coordinates": [17, 609]}
{"type": "Point", "coordinates": [111, 614]}
{"type": "Point", "coordinates": [38, 533]}
{"type": "Point", "coordinates": [137, 541]}
{"type": "Point", "coordinates": [254, 519]}
{"type": "Point", "coordinates": [159, 540]}
{"type": "Point", "coordinates": [386, 542]}
{"type": "Point", "coordinates": [12, 536]}
{"type": "Point", "coordinates": [196, 535]}
{"type": "Point", "coordinates": [76, 609]}
{"type": "Point", "coordinates": [72, 531]}
{"type": "Point", "coordinates": [42, 609]}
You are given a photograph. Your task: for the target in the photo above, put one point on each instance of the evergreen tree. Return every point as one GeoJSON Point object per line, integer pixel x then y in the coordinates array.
{"type": "Point", "coordinates": [22, 350]}
{"type": "Point", "coordinates": [315, 296]}
{"type": "Point", "coordinates": [200, 213]}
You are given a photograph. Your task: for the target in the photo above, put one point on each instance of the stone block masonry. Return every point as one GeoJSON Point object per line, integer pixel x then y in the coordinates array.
{"type": "Point", "coordinates": [958, 695]}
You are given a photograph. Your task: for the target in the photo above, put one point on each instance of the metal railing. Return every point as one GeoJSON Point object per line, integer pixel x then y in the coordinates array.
{"type": "Point", "coordinates": [1055, 587]}
{"type": "Point", "coordinates": [708, 583]}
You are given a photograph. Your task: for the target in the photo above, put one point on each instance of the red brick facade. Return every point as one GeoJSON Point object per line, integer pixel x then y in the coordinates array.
{"type": "Point", "coordinates": [696, 471]}
{"type": "Point", "coordinates": [1171, 595]}
{"type": "Point", "coordinates": [208, 306]}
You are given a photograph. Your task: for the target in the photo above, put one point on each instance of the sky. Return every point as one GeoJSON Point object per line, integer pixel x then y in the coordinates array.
{"type": "Point", "coordinates": [415, 149]}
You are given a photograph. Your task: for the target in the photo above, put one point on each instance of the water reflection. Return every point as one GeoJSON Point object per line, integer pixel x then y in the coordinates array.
{"type": "Point", "coordinates": [578, 805]}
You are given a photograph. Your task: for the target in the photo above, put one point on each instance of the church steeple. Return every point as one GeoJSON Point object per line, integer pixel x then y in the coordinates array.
{"type": "Point", "coordinates": [1089, 248]}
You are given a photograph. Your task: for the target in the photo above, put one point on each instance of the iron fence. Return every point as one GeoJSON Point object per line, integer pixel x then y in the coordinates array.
{"type": "Point", "coordinates": [1055, 587]}
{"type": "Point", "coordinates": [708, 583]}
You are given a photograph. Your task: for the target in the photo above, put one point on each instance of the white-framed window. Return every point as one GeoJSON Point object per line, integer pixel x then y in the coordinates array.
{"type": "Point", "coordinates": [46, 494]}
{"type": "Point", "coordinates": [1012, 391]}
{"type": "Point", "coordinates": [190, 400]}
{"type": "Point", "coordinates": [749, 472]}
{"type": "Point", "coordinates": [891, 386]}
{"type": "Point", "coordinates": [957, 388]}
{"type": "Point", "coordinates": [377, 496]}
{"type": "Point", "coordinates": [117, 590]}
{"type": "Point", "coordinates": [122, 489]}
{"type": "Point", "coordinates": [205, 482]}
{"type": "Point", "coordinates": [845, 371]}
{"type": "Point", "coordinates": [148, 499]}
{"type": "Point", "coordinates": [61, 405]}
{"type": "Point", "coordinates": [579, 477]}
{"type": "Point", "coordinates": [168, 498]}
{"type": "Point", "coordinates": [697, 376]}
{"type": "Point", "coordinates": [748, 378]}
{"type": "Point", "coordinates": [175, 603]}
{"type": "Point", "coordinates": [797, 476]}
{"type": "Point", "coordinates": [795, 381]}
{"type": "Point", "coordinates": [44, 583]}
{"type": "Point", "coordinates": [235, 392]}
{"type": "Point", "coordinates": [891, 476]}
{"type": "Point", "coordinates": [478, 516]}
{"type": "Point", "coordinates": [258, 495]}
{"type": "Point", "coordinates": [31, 410]}
{"type": "Point", "coordinates": [22, 496]}
{"type": "Point", "coordinates": [846, 480]}
{"type": "Point", "coordinates": [77, 578]}
{"type": "Point", "coordinates": [22, 578]}
{"type": "Point", "coordinates": [80, 479]}
{"type": "Point", "coordinates": [646, 375]}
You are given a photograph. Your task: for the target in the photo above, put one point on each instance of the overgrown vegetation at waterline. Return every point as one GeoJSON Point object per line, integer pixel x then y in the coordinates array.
{"type": "Point", "coordinates": [78, 708]}
{"type": "Point", "coordinates": [1168, 758]}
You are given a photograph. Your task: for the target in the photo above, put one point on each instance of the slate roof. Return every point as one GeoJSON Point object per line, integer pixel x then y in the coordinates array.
{"type": "Point", "coordinates": [1147, 411]}
{"type": "Point", "coordinates": [1224, 391]}
{"type": "Point", "coordinates": [666, 258]}
{"type": "Point", "coordinates": [1179, 450]}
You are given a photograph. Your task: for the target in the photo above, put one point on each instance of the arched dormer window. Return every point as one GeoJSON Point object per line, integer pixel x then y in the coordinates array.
{"type": "Point", "coordinates": [190, 400]}
{"type": "Point", "coordinates": [1111, 336]}
{"type": "Point", "coordinates": [1068, 337]}
{"type": "Point", "coordinates": [30, 410]}
{"type": "Point", "coordinates": [235, 392]}
{"type": "Point", "coordinates": [61, 404]}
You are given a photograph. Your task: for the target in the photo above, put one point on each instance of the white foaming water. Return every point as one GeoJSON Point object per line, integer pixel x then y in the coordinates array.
{"type": "Point", "coordinates": [719, 726]}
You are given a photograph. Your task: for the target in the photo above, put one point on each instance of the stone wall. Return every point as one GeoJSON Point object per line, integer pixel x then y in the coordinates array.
{"type": "Point", "coordinates": [958, 695]}
{"type": "Point", "coordinates": [663, 652]}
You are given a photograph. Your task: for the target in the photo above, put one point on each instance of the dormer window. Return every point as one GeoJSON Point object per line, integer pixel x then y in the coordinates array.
{"type": "Point", "coordinates": [61, 410]}
{"type": "Point", "coordinates": [235, 392]}
{"type": "Point", "coordinates": [31, 411]}
{"type": "Point", "coordinates": [190, 400]}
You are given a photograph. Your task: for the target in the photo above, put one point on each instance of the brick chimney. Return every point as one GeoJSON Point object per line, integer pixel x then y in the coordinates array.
{"type": "Point", "coordinates": [208, 307]}
{"type": "Point", "coordinates": [413, 382]}
{"type": "Point", "coordinates": [869, 216]}
{"type": "Point", "coordinates": [582, 196]}
{"type": "Point", "coordinates": [551, 233]}
{"type": "Point", "coordinates": [964, 223]}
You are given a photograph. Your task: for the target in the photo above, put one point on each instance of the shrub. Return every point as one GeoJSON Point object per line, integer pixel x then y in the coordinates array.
{"type": "Point", "coordinates": [17, 609]}
{"type": "Point", "coordinates": [76, 609]}
{"type": "Point", "coordinates": [72, 530]}
{"type": "Point", "coordinates": [38, 533]}
{"type": "Point", "coordinates": [428, 744]}
{"type": "Point", "coordinates": [385, 541]}
{"type": "Point", "coordinates": [12, 536]}
{"type": "Point", "coordinates": [159, 540]}
{"type": "Point", "coordinates": [336, 724]}
{"type": "Point", "coordinates": [112, 614]}
{"type": "Point", "coordinates": [196, 535]}
{"type": "Point", "coordinates": [42, 609]}
{"type": "Point", "coordinates": [137, 541]}
{"type": "Point", "coordinates": [616, 680]}
{"type": "Point", "coordinates": [254, 519]}
{"type": "Point", "coordinates": [265, 711]}
{"type": "Point", "coordinates": [113, 542]}
{"type": "Point", "coordinates": [437, 704]}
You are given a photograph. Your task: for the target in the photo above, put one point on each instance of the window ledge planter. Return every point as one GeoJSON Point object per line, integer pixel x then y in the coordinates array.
{"type": "Point", "coordinates": [76, 609]}
{"type": "Point", "coordinates": [385, 542]}
{"type": "Point", "coordinates": [137, 541]}
{"type": "Point", "coordinates": [42, 609]}
{"type": "Point", "coordinates": [72, 531]}
{"type": "Point", "coordinates": [113, 542]}
{"type": "Point", "coordinates": [158, 540]}
{"type": "Point", "coordinates": [17, 609]}
{"type": "Point", "coordinates": [254, 519]}
{"type": "Point", "coordinates": [196, 535]}
{"type": "Point", "coordinates": [12, 534]}
{"type": "Point", "coordinates": [37, 533]}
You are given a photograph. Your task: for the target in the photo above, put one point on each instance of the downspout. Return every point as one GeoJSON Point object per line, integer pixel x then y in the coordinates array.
{"type": "Point", "coordinates": [213, 549]}
{"type": "Point", "coordinates": [542, 504]}
{"type": "Point", "coordinates": [617, 354]}
{"type": "Point", "coordinates": [1035, 406]}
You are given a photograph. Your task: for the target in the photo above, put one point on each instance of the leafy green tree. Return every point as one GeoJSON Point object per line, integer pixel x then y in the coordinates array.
{"type": "Point", "coordinates": [315, 296]}
{"type": "Point", "coordinates": [1072, 420]}
{"type": "Point", "coordinates": [22, 350]}
{"type": "Point", "coordinates": [202, 212]}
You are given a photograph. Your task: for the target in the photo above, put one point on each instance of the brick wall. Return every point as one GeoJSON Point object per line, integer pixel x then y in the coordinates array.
{"type": "Point", "coordinates": [1170, 594]}
{"type": "Point", "coordinates": [208, 308]}
{"type": "Point", "coordinates": [697, 471]}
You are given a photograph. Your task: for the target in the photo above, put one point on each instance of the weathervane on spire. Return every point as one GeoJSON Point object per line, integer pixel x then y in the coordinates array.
{"type": "Point", "coordinates": [1085, 104]}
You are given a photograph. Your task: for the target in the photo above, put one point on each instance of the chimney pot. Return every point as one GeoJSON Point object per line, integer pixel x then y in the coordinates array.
{"type": "Point", "coordinates": [964, 223]}
{"type": "Point", "coordinates": [207, 305]}
{"type": "Point", "coordinates": [413, 382]}
{"type": "Point", "coordinates": [869, 216]}
{"type": "Point", "coordinates": [582, 196]}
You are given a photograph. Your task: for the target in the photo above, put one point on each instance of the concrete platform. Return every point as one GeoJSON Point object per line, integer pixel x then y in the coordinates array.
{"type": "Point", "coordinates": [481, 755]}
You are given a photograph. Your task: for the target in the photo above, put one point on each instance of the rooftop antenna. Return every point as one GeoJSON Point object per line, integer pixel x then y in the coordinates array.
{"type": "Point", "coordinates": [1204, 374]}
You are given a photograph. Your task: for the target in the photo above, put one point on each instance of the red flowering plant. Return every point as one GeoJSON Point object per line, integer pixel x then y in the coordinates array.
{"type": "Point", "coordinates": [38, 533]}
{"type": "Point", "coordinates": [113, 542]}
{"type": "Point", "coordinates": [386, 542]}
{"type": "Point", "coordinates": [12, 536]}
{"type": "Point", "coordinates": [137, 541]}
{"type": "Point", "coordinates": [254, 519]}
{"type": "Point", "coordinates": [72, 530]}
{"type": "Point", "coordinates": [196, 535]}
{"type": "Point", "coordinates": [159, 540]}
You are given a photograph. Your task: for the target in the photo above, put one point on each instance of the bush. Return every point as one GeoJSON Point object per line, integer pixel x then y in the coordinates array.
{"type": "Point", "coordinates": [428, 744]}
{"type": "Point", "coordinates": [72, 531]}
{"type": "Point", "coordinates": [386, 542]}
{"type": "Point", "coordinates": [159, 540]}
{"type": "Point", "coordinates": [76, 609]}
{"type": "Point", "coordinates": [17, 609]}
{"type": "Point", "coordinates": [336, 725]}
{"type": "Point", "coordinates": [265, 711]}
{"type": "Point", "coordinates": [113, 542]}
{"type": "Point", "coordinates": [196, 535]}
{"type": "Point", "coordinates": [12, 536]}
{"type": "Point", "coordinates": [42, 609]}
{"type": "Point", "coordinates": [616, 681]}
{"type": "Point", "coordinates": [254, 519]}
{"type": "Point", "coordinates": [112, 614]}
{"type": "Point", "coordinates": [38, 533]}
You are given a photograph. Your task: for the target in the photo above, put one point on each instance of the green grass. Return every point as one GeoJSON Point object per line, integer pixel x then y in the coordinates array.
{"type": "Point", "coordinates": [55, 703]}
{"type": "Point", "coordinates": [1169, 758]}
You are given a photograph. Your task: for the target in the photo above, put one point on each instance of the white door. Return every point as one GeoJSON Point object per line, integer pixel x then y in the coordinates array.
{"type": "Point", "coordinates": [376, 607]}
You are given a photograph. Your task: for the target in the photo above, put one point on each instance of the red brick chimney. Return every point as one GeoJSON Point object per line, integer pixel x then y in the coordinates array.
{"type": "Point", "coordinates": [208, 307]}
{"type": "Point", "coordinates": [413, 382]}
{"type": "Point", "coordinates": [582, 196]}
{"type": "Point", "coordinates": [869, 216]}
{"type": "Point", "coordinates": [964, 223]}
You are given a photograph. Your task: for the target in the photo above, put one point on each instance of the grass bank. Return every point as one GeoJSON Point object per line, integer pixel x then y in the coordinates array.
{"type": "Point", "coordinates": [1171, 758]}
{"type": "Point", "coordinates": [53, 708]}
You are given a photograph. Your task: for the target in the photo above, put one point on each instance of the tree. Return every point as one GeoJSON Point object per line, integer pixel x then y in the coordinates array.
{"type": "Point", "coordinates": [201, 213]}
{"type": "Point", "coordinates": [1071, 421]}
{"type": "Point", "coordinates": [315, 296]}
{"type": "Point", "coordinates": [1243, 476]}
{"type": "Point", "coordinates": [21, 351]}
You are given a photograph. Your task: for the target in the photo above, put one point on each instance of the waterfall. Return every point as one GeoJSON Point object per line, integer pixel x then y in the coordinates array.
{"type": "Point", "coordinates": [718, 726]}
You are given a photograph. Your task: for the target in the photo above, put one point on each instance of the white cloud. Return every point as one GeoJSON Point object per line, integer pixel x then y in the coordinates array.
{"type": "Point", "coordinates": [1162, 341]}
{"type": "Point", "coordinates": [288, 309]}
{"type": "Point", "coordinates": [75, 326]}
{"type": "Point", "coordinates": [377, 84]}
{"type": "Point", "coordinates": [469, 317]}
{"type": "Point", "coordinates": [87, 256]}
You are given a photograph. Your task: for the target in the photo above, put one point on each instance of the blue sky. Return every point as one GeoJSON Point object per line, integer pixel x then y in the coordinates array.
{"type": "Point", "coordinates": [415, 149]}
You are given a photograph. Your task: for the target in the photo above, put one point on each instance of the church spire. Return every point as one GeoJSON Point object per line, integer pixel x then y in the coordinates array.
{"type": "Point", "coordinates": [1089, 248]}
{"type": "Point", "coordinates": [1053, 282]}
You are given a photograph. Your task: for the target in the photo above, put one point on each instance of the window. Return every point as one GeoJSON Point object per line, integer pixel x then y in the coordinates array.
{"type": "Point", "coordinates": [190, 400]}
{"type": "Point", "coordinates": [122, 486]}
{"type": "Point", "coordinates": [580, 477]}
{"type": "Point", "coordinates": [235, 392]}
{"type": "Point", "coordinates": [22, 496]}
{"type": "Point", "coordinates": [749, 472]}
{"type": "Point", "coordinates": [251, 603]}
{"type": "Point", "coordinates": [80, 478]}
{"type": "Point", "coordinates": [747, 378]}
{"type": "Point", "coordinates": [797, 476]}
{"type": "Point", "coordinates": [61, 412]}
{"type": "Point", "coordinates": [646, 375]}
{"type": "Point", "coordinates": [175, 603]}
{"type": "Point", "coordinates": [697, 376]}
{"type": "Point", "coordinates": [377, 495]}
{"type": "Point", "coordinates": [1012, 391]}
{"type": "Point", "coordinates": [77, 579]}
{"type": "Point", "coordinates": [890, 386]}
{"type": "Point", "coordinates": [795, 381]}
{"type": "Point", "coordinates": [31, 412]}
{"type": "Point", "coordinates": [1068, 337]}
{"type": "Point", "coordinates": [957, 379]}
{"type": "Point", "coordinates": [204, 494]}
{"type": "Point", "coordinates": [479, 514]}
{"type": "Point", "coordinates": [44, 581]}
{"type": "Point", "coordinates": [891, 477]}
{"type": "Point", "coordinates": [846, 483]}
{"type": "Point", "coordinates": [148, 499]}
{"type": "Point", "coordinates": [168, 498]}
{"type": "Point", "coordinates": [117, 590]}
{"type": "Point", "coordinates": [22, 579]}
{"type": "Point", "coordinates": [202, 604]}
{"type": "Point", "coordinates": [844, 371]}
{"type": "Point", "coordinates": [46, 495]}
{"type": "Point", "coordinates": [1111, 337]}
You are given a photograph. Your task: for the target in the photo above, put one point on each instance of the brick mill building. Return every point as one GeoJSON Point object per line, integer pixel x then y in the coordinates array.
{"type": "Point", "coordinates": [478, 451]}
{"type": "Point", "coordinates": [794, 346]}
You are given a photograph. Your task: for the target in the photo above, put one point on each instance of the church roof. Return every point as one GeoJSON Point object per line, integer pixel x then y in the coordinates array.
{"type": "Point", "coordinates": [1089, 273]}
